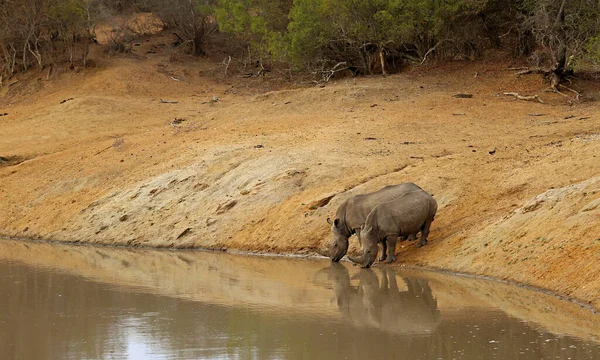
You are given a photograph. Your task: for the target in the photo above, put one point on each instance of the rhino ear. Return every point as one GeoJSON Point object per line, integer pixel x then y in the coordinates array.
{"type": "Point", "coordinates": [329, 221]}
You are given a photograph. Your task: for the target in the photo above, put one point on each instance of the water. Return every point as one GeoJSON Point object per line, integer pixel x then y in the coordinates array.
{"type": "Point", "coordinates": [62, 302]}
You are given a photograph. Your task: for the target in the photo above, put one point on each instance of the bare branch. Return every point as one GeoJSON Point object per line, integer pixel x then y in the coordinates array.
{"type": "Point", "coordinates": [432, 49]}
{"type": "Point", "coordinates": [577, 93]}
{"type": "Point", "coordinates": [524, 97]}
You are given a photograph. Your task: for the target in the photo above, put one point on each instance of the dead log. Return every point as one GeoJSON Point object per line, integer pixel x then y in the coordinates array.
{"type": "Point", "coordinates": [533, 71]}
{"type": "Point", "coordinates": [462, 96]}
{"type": "Point", "coordinates": [524, 97]}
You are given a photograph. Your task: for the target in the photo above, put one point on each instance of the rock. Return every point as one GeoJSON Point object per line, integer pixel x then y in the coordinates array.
{"type": "Point", "coordinates": [321, 202]}
{"type": "Point", "coordinates": [184, 233]}
{"type": "Point", "coordinates": [200, 186]}
{"type": "Point", "coordinates": [124, 217]}
{"type": "Point", "coordinates": [210, 222]}
{"type": "Point", "coordinates": [291, 173]}
{"type": "Point", "coordinates": [102, 228]}
{"type": "Point", "coordinates": [225, 206]}
{"type": "Point", "coordinates": [532, 205]}
{"type": "Point", "coordinates": [591, 206]}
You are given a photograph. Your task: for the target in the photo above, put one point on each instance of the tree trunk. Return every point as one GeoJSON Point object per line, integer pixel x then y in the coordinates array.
{"type": "Point", "coordinates": [382, 60]}
{"type": "Point", "coordinates": [559, 55]}
{"type": "Point", "coordinates": [363, 60]}
{"type": "Point", "coordinates": [197, 43]}
{"type": "Point", "coordinates": [86, 50]}
{"type": "Point", "coordinates": [198, 32]}
{"type": "Point", "coordinates": [24, 60]}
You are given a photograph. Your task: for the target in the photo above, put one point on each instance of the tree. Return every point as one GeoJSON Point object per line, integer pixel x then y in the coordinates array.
{"type": "Point", "coordinates": [191, 20]}
{"type": "Point", "coordinates": [39, 32]}
{"type": "Point", "coordinates": [73, 23]}
{"type": "Point", "coordinates": [563, 29]}
{"type": "Point", "coordinates": [365, 33]}
{"type": "Point", "coordinates": [258, 25]}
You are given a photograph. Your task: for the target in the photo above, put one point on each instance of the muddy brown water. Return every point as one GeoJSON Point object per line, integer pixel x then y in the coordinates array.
{"type": "Point", "coordinates": [80, 302]}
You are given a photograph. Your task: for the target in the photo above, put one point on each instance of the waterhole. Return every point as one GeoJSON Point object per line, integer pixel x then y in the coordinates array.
{"type": "Point", "coordinates": [80, 302]}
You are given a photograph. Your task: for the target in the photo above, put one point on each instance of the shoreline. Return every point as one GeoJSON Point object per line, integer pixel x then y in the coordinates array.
{"type": "Point", "coordinates": [579, 302]}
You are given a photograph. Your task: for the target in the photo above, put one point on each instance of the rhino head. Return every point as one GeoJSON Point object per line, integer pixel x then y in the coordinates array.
{"type": "Point", "coordinates": [369, 245]}
{"type": "Point", "coordinates": [339, 245]}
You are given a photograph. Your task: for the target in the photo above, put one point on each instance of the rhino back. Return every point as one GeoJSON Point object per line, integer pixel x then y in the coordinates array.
{"type": "Point", "coordinates": [358, 207]}
{"type": "Point", "coordinates": [403, 215]}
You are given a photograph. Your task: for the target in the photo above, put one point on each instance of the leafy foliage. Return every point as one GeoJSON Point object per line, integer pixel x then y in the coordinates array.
{"type": "Point", "coordinates": [40, 32]}
{"type": "Point", "coordinates": [324, 36]}
{"type": "Point", "coordinates": [360, 31]}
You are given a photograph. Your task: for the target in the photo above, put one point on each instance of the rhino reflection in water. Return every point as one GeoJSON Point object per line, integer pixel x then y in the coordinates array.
{"type": "Point", "coordinates": [381, 304]}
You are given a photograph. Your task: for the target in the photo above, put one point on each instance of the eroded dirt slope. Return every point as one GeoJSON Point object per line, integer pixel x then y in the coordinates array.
{"type": "Point", "coordinates": [245, 164]}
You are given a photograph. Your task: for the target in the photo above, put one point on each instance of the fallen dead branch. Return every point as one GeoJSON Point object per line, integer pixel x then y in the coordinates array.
{"type": "Point", "coordinates": [212, 101]}
{"type": "Point", "coordinates": [462, 96]}
{"type": "Point", "coordinates": [532, 71]}
{"type": "Point", "coordinates": [519, 68]}
{"type": "Point", "coordinates": [117, 145]}
{"type": "Point", "coordinates": [524, 97]}
{"type": "Point", "coordinates": [577, 93]}
{"type": "Point", "coordinates": [528, 70]}
{"type": "Point", "coordinates": [327, 74]}
{"type": "Point", "coordinates": [177, 121]}
{"type": "Point", "coordinates": [168, 101]}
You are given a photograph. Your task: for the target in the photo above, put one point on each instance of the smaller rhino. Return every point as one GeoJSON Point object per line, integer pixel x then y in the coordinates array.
{"type": "Point", "coordinates": [400, 217]}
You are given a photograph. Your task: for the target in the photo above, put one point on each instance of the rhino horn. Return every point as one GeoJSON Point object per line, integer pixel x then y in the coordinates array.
{"type": "Point", "coordinates": [359, 260]}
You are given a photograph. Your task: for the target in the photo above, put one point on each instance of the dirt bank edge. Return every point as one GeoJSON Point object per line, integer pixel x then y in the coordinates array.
{"type": "Point", "coordinates": [580, 302]}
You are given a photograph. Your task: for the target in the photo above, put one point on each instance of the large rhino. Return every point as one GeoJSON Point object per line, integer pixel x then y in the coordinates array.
{"type": "Point", "coordinates": [399, 217]}
{"type": "Point", "coordinates": [352, 213]}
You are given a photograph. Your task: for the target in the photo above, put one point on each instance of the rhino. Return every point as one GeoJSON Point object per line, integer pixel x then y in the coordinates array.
{"type": "Point", "coordinates": [369, 300]}
{"type": "Point", "coordinates": [399, 217]}
{"type": "Point", "coordinates": [352, 213]}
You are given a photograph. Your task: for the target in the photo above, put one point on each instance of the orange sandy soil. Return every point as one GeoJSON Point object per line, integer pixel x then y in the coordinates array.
{"type": "Point", "coordinates": [518, 182]}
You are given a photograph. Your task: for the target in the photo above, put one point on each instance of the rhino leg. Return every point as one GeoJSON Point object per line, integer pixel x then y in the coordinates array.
{"type": "Point", "coordinates": [391, 248]}
{"type": "Point", "coordinates": [412, 236]}
{"type": "Point", "coordinates": [424, 233]}
{"type": "Point", "coordinates": [383, 255]}
{"type": "Point", "coordinates": [393, 282]}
